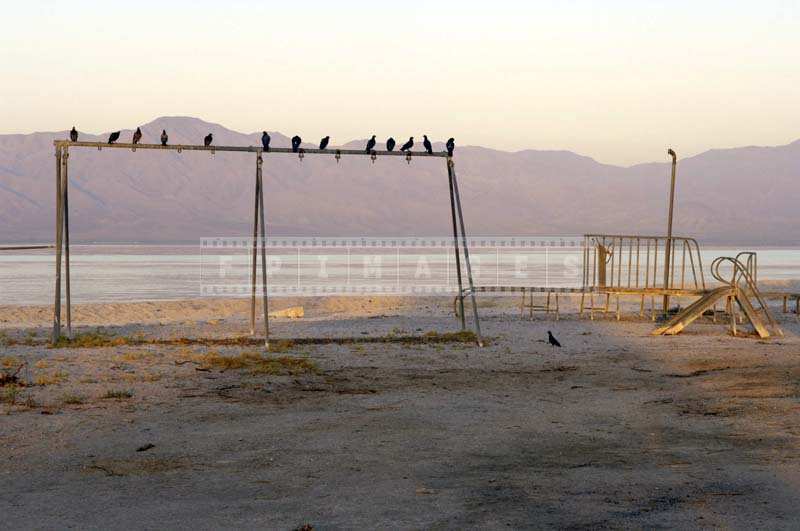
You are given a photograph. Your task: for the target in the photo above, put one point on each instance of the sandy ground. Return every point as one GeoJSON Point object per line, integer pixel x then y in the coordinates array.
{"type": "Point", "coordinates": [616, 429]}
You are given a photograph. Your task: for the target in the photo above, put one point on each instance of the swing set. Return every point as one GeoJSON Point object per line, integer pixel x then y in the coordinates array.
{"type": "Point", "coordinates": [62, 148]}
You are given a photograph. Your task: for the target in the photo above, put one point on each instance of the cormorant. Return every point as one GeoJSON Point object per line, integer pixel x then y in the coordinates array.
{"type": "Point", "coordinates": [137, 135]}
{"type": "Point", "coordinates": [296, 143]}
{"type": "Point", "coordinates": [73, 135]}
{"type": "Point", "coordinates": [390, 144]}
{"type": "Point", "coordinates": [164, 137]}
{"type": "Point", "coordinates": [451, 146]}
{"type": "Point", "coordinates": [427, 144]}
{"type": "Point", "coordinates": [371, 144]}
{"type": "Point", "coordinates": [265, 139]}
{"type": "Point", "coordinates": [208, 139]}
{"type": "Point", "coordinates": [113, 137]}
{"type": "Point", "coordinates": [324, 142]}
{"type": "Point", "coordinates": [408, 145]}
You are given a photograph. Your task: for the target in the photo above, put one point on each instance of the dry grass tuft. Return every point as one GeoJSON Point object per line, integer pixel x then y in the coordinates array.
{"type": "Point", "coordinates": [257, 363]}
{"type": "Point", "coordinates": [72, 399]}
{"type": "Point", "coordinates": [92, 340]}
{"type": "Point", "coordinates": [10, 362]}
{"type": "Point", "coordinates": [117, 394]}
{"type": "Point", "coordinates": [51, 378]}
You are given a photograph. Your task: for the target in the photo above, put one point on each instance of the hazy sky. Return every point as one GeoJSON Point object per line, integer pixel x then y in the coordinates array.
{"type": "Point", "coordinates": [617, 80]}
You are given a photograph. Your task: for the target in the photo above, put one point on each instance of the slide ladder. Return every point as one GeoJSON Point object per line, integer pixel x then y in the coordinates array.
{"type": "Point", "coordinates": [739, 288]}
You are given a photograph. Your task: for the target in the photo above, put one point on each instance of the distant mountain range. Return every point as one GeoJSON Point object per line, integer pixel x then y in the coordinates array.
{"type": "Point", "coordinates": [744, 196]}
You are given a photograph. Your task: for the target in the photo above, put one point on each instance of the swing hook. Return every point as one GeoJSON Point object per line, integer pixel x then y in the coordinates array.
{"type": "Point", "coordinates": [408, 157]}
{"type": "Point", "coordinates": [301, 154]}
{"type": "Point", "coordinates": [213, 151]}
{"type": "Point", "coordinates": [373, 156]}
{"type": "Point", "coordinates": [180, 150]}
{"type": "Point", "coordinates": [338, 155]}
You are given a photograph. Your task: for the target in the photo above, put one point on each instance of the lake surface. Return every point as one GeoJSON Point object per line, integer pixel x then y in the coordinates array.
{"type": "Point", "coordinates": [114, 273]}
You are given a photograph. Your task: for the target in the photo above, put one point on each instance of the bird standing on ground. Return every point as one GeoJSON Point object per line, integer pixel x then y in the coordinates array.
{"type": "Point", "coordinates": [451, 146]}
{"type": "Point", "coordinates": [208, 139]}
{"type": "Point", "coordinates": [371, 144]}
{"type": "Point", "coordinates": [427, 144]}
{"type": "Point", "coordinates": [73, 135]}
{"type": "Point", "coordinates": [296, 143]}
{"type": "Point", "coordinates": [164, 137]}
{"type": "Point", "coordinates": [408, 145]}
{"type": "Point", "coordinates": [390, 144]}
{"type": "Point", "coordinates": [137, 135]}
{"type": "Point", "coordinates": [265, 140]}
{"type": "Point", "coordinates": [113, 137]}
{"type": "Point", "coordinates": [552, 340]}
{"type": "Point", "coordinates": [324, 142]}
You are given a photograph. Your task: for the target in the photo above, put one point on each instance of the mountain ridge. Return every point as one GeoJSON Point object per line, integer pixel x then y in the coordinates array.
{"type": "Point", "coordinates": [734, 195]}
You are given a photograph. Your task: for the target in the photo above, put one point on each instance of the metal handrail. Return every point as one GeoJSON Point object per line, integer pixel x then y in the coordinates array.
{"type": "Point", "coordinates": [637, 257]}
{"type": "Point", "coordinates": [740, 272]}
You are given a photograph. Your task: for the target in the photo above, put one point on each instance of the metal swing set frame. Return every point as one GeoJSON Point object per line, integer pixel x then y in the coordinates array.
{"type": "Point", "coordinates": [62, 148]}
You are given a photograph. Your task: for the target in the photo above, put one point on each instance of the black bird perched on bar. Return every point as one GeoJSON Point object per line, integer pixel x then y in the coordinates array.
{"type": "Point", "coordinates": [324, 142]}
{"type": "Point", "coordinates": [408, 145]}
{"type": "Point", "coordinates": [265, 139]}
{"type": "Point", "coordinates": [451, 146]}
{"type": "Point", "coordinates": [296, 143]}
{"type": "Point", "coordinates": [208, 139]}
{"type": "Point", "coordinates": [113, 137]}
{"type": "Point", "coordinates": [137, 135]}
{"type": "Point", "coordinates": [371, 144]}
{"type": "Point", "coordinates": [427, 144]}
{"type": "Point", "coordinates": [390, 144]}
{"type": "Point", "coordinates": [164, 137]}
{"type": "Point", "coordinates": [73, 135]}
{"type": "Point", "coordinates": [552, 340]}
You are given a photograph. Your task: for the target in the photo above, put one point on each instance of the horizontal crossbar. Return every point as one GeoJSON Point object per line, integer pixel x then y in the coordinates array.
{"type": "Point", "coordinates": [248, 149]}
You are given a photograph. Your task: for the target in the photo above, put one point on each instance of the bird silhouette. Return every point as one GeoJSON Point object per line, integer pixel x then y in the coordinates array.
{"type": "Point", "coordinates": [408, 145]}
{"type": "Point", "coordinates": [296, 143]}
{"type": "Point", "coordinates": [113, 137]}
{"type": "Point", "coordinates": [73, 135]}
{"type": "Point", "coordinates": [390, 144]}
{"type": "Point", "coordinates": [324, 142]}
{"type": "Point", "coordinates": [137, 135]}
{"type": "Point", "coordinates": [164, 137]}
{"type": "Point", "coordinates": [208, 139]}
{"type": "Point", "coordinates": [371, 144]}
{"type": "Point", "coordinates": [265, 139]}
{"type": "Point", "coordinates": [427, 144]}
{"type": "Point", "coordinates": [552, 340]}
{"type": "Point", "coordinates": [451, 146]}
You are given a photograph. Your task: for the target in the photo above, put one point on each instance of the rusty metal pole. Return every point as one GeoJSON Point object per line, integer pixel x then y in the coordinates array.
{"type": "Point", "coordinates": [259, 163]}
{"type": "Point", "coordinates": [57, 300]}
{"type": "Point", "coordinates": [65, 209]}
{"type": "Point", "coordinates": [668, 248]}
{"type": "Point", "coordinates": [455, 246]}
{"type": "Point", "coordinates": [466, 255]}
{"type": "Point", "coordinates": [255, 256]}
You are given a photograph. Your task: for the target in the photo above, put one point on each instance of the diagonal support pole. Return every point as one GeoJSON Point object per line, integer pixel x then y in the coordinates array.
{"type": "Point", "coordinates": [452, 167]}
{"type": "Point", "coordinates": [255, 254]}
{"type": "Point", "coordinates": [259, 164]}
{"type": "Point", "coordinates": [455, 245]}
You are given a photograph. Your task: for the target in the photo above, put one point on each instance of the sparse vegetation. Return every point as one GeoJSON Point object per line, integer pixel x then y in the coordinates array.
{"type": "Point", "coordinates": [10, 393]}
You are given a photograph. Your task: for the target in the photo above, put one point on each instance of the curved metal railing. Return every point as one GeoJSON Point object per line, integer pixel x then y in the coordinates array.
{"type": "Point", "coordinates": [743, 280]}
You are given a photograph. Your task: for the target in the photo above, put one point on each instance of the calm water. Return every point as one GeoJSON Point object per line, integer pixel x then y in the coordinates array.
{"type": "Point", "coordinates": [112, 273]}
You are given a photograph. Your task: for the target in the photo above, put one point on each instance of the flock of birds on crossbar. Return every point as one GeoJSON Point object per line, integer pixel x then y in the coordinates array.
{"type": "Point", "coordinates": [296, 140]}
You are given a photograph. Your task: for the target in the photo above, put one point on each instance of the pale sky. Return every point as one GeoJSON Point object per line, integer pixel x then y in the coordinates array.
{"type": "Point", "coordinates": [619, 81]}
